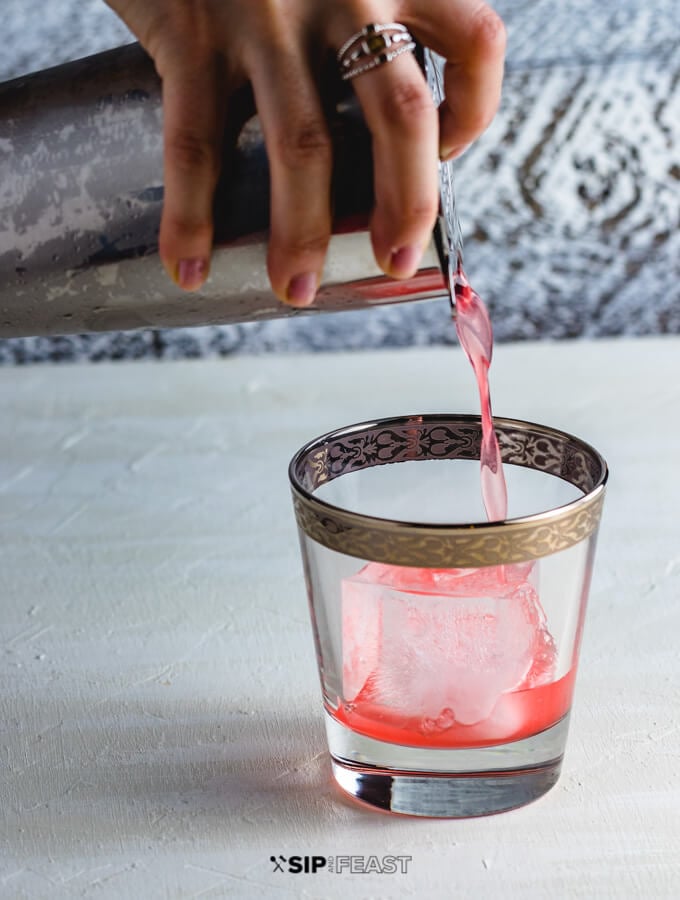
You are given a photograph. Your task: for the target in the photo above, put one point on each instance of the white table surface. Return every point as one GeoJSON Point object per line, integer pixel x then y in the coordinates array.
{"type": "Point", "coordinates": [160, 720]}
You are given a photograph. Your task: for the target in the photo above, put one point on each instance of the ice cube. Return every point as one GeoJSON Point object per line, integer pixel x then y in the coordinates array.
{"type": "Point", "coordinates": [442, 645]}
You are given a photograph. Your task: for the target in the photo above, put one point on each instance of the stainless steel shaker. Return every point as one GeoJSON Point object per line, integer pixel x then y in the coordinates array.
{"type": "Point", "coordinates": [80, 204]}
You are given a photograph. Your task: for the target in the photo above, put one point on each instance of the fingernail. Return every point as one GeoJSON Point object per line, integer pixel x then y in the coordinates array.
{"type": "Point", "coordinates": [404, 261]}
{"type": "Point", "coordinates": [446, 154]}
{"type": "Point", "coordinates": [302, 289]}
{"type": "Point", "coordinates": [191, 273]}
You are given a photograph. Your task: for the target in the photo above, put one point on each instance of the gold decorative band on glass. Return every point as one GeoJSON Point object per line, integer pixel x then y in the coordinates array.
{"type": "Point", "coordinates": [373, 46]}
{"type": "Point", "coordinates": [456, 545]}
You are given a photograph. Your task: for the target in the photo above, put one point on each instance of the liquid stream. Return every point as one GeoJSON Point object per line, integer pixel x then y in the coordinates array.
{"type": "Point", "coordinates": [475, 334]}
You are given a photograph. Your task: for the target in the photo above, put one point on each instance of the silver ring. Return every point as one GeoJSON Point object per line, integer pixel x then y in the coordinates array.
{"type": "Point", "coordinates": [373, 46]}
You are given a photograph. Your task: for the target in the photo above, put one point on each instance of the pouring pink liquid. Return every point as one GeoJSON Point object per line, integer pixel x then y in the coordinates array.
{"type": "Point", "coordinates": [476, 338]}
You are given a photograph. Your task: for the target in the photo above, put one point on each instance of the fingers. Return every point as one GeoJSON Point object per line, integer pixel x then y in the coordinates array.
{"type": "Point", "coordinates": [401, 116]}
{"type": "Point", "coordinates": [299, 151]}
{"type": "Point", "coordinates": [193, 122]}
{"type": "Point", "coordinates": [471, 37]}
{"type": "Point", "coordinates": [403, 122]}
{"type": "Point", "coordinates": [271, 50]}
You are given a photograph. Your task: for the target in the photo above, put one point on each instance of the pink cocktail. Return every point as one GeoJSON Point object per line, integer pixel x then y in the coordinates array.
{"type": "Point", "coordinates": [448, 658]}
{"type": "Point", "coordinates": [517, 715]}
{"type": "Point", "coordinates": [447, 644]}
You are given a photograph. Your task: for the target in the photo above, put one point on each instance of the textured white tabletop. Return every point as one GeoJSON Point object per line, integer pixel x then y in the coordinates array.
{"type": "Point", "coordinates": [160, 718]}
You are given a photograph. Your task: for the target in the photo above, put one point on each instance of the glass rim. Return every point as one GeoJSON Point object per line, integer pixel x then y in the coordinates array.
{"type": "Point", "coordinates": [447, 544]}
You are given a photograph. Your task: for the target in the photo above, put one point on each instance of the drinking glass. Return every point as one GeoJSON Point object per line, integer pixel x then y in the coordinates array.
{"type": "Point", "coordinates": [447, 645]}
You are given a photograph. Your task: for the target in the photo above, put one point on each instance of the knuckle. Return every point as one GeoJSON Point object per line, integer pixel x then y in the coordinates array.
{"type": "Point", "coordinates": [155, 36]}
{"type": "Point", "coordinates": [409, 105]}
{"type": "Point", "coordinates": [304, 142]}
{"type": "Point", "coordinates": [189, 153]}
{"type": "Point", "coordinates": [488, 32]}
{"type": "Point", "coordinates": [164, 32]}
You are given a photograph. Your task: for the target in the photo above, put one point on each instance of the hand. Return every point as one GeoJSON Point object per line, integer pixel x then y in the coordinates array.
{"type": "Point", "coordinates": [204, 49]}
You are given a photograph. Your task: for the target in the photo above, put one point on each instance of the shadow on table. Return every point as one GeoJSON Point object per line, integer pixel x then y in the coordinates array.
{"type": "Point", "coordinates": [141, 776]}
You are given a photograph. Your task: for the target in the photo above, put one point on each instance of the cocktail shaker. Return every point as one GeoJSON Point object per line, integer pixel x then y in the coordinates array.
{"type": "Point", "coordinates": [81, 192]}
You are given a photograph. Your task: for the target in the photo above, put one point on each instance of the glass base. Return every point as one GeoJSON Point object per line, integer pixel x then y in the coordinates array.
{"type": "Point", "coordinates": [443, 783]}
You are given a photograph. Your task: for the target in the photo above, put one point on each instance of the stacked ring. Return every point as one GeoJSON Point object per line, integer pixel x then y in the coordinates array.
{"type": "Point", "coordinates": [373, 46]}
